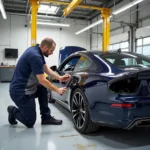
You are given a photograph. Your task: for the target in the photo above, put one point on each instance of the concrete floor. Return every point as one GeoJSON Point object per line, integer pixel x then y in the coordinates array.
{"type": "Point", "coordinates": [64, 137]}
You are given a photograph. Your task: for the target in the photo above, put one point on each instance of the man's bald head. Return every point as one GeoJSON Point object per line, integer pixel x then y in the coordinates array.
{"type": "Point", "coordinates": [47, 46]}
{"type": "Point", "coordinates": [47, 42]}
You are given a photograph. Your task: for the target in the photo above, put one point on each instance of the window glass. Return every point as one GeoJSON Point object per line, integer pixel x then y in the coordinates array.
{"type": "Point", "coordinates": [110, 47]}
{"type": "Point", "coordinates": [125, 49]}
{"type": "Point", "coordinates": [70, 65]}
{"type": "Point", "coordinates": [129, 61]}
{"type": "Point", "coordinates": [82, 64]}
{"type": "Point", "coordinates": [146, 41]}
{"type": "Point", "coordinates": [145, 63]}
{"type": "Point", "coordinates": [123, 60]}
{"type": "Point", "coordinates": [146, 50]}
{"type": "Point", "coordinates": [124, 45]}
{"type": "Point", "coordinates": [139, 42]}
{"type": "Point", "coordinates": [110, 60]}
{"type": "Point", "coordinates": [116, 46]}
{"type": "Point", "coordinates": [139, 50]}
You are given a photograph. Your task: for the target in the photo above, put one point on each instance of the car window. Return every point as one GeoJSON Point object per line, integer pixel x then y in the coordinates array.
{"type": "Point", "coordinates": [70, 64]}
{"type": "Point", "coordinates": [129, 61]}
{"type": "Point", "coordinates": [124, 60]}
{"type": "Point", "coordinates": [110, 60]}
{"type": "Point", "coordinates": [82, 64]}
{"type": "Point", "coordinates": [145, 63]}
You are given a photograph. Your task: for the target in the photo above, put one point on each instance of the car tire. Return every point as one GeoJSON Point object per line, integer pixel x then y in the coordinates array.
{"type": "Point", "coordinates": [50, 99]}
{"type": "Point", "coordinates": [80, 113]}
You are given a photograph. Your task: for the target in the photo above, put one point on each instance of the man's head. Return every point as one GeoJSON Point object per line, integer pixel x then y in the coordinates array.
{"type": "Point", "coordinates": [47, 46]}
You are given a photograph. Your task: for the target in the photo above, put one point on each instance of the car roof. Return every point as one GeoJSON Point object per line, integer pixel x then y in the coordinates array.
{"type": "Point", "coordinates": [106, 52]}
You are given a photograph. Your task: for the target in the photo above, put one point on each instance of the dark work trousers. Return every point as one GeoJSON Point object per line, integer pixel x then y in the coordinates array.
{"type": "Point", "coordinates": [26, 111]}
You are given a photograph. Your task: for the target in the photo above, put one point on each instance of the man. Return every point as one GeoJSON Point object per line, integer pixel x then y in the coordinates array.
{"type": "Point", "coordinates": [30, 82]}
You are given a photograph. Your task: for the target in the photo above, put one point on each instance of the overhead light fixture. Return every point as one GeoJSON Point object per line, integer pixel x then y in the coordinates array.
{"type": "Point", "coordinates": [126, 7]}
{"type": "Point", "coordinates": [115, 12]}
{"type": "Point", "coordinates": [46, 9]}
{"type": "Point", "coordinates": [2, 10]}
{"type": "Point", "coordinates": [52, 24]}
{"type": "Point", "coordinates": [90, 26]}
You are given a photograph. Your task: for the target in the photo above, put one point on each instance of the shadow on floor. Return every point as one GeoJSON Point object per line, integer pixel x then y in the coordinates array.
{"type": "Point", "coordinates": [63, 110]}
{"type": "Point", "coordinates": [116, 138]}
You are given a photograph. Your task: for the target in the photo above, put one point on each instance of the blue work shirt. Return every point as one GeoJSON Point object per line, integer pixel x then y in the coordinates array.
{"type": "Point", "coordinates": [30, 64]}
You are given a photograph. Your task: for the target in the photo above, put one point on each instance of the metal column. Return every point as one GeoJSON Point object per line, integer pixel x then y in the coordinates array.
{"type": "Point", "coordinates": [132, 38]}
{"type": "Point", "coordinates": [34, 9]}
{"type": "Point", "coordinates": [106, 28]}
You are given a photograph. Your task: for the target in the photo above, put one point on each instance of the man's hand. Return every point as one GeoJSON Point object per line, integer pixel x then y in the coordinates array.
{"type": "Point", "coordinates": [62, 90]}
{"type": "Point", "coordinates": [65, 78]}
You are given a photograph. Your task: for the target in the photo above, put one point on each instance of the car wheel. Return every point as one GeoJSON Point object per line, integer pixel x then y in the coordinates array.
{"type": "Point", "coordinates": [50, 99]}
{"type": "Point", "coordinates": [80, 113]}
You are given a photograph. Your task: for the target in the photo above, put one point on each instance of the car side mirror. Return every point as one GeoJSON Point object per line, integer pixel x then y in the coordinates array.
{"type": "Point", "coordinates": [54, 68]}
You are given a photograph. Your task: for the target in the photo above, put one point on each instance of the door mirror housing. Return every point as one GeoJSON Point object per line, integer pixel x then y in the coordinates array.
{"type": "Point", "coordinates": [54, 68]}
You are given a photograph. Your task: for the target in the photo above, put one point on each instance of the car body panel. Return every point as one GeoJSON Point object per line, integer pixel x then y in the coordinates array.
{"type": "Point", "coordinates": [95, 82]}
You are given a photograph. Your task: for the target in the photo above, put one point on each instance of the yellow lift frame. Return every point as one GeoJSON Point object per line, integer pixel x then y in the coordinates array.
{"type": "Point", "coordinates": [105, 15]}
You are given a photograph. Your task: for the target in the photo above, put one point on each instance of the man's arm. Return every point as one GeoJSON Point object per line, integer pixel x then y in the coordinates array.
{"type": "Point", "coordinates": [43, 81]}
{"type": "Point", "coordinates": [37, 68]}
{"type": "Point", "coordinates": [50, 72]}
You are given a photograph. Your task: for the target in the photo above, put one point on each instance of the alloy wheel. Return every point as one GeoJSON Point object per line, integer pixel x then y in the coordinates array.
{"type": "Point", "coordinates": [78, 110]}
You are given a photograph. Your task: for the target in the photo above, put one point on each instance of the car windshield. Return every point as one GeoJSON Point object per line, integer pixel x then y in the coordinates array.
{"type": "Point", "coordinates": [125, 60]}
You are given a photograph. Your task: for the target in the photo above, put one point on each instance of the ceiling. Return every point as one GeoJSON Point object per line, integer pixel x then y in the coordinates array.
{"type": "Point", "coordinates": [22, 7]}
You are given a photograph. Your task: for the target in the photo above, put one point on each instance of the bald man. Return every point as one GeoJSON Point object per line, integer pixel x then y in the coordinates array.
{"type": "Point", "coordinates": [29, 82]}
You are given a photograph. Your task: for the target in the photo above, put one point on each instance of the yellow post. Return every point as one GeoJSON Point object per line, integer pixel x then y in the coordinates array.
{"type": "Point", "coordinates": [34, 9]}
{"type": "Point", "coordinates": [71, 7]}
{"type": "Point", "coordinates": [105, 14]}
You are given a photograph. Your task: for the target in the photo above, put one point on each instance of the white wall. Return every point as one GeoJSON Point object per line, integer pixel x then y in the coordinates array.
{"type": "Point", "coordinates": [64, 37]}
{"type": "Point", "coordinates": [14, 34]}
{"type": "Point", "coordinates": [121, 34]}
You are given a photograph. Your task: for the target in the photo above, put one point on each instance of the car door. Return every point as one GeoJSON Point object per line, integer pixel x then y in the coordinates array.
{"type": "Point", "coordinates": [74, 65]}
{"type": "Point", "coordinates": [67, 67]}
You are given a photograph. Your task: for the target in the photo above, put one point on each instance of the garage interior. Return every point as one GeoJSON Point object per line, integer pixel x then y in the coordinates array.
{"type": "Point", "coordinates": [83, 26]}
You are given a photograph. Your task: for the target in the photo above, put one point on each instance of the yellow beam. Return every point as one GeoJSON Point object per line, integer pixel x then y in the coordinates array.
{"type": "Point", "coordinates": [67, 3]}
{"type": "Point", "coordinates": [34, 9]}
{"type": "Point", "coordinates": [71, 7]}
{"type": "Point", "coordinates": [105, 14]}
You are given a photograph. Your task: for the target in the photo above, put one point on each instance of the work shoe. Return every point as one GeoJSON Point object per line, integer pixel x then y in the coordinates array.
{"type": "Point", "coordinates": [51, 120]}
{"type": "Point", "coordinates": [11, 118]}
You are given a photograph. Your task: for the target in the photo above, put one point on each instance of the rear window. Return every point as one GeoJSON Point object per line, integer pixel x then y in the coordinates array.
{"type": "Point", "coordinates": [123, 60]}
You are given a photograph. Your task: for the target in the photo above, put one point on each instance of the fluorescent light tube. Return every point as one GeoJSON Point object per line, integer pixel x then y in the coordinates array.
{"type": "Point", "coordinates": [137, 1]}
{"type": "Point", "coordinates": [2, 10]}
{"type": "Point", "coordinates": [54, 24]}
{"type": "Point", "coordinates": [122, 9]}
{"type": "Point", "coordinates": [90, 26]}
{"type": "Point", "coordinates": [126, 7]}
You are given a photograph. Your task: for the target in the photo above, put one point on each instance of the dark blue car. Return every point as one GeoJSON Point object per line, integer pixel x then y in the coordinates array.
{"type": "Point", "coordinates": [106, 89]}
